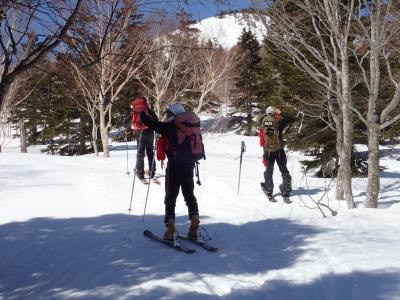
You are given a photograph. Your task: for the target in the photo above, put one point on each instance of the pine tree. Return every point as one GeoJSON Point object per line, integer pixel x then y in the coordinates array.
{"type": "Point", "coordinates": [246, 94]}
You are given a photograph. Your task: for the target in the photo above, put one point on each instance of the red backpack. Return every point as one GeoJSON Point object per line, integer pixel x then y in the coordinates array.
{"type": "Point", "coordinates": [138, 105]}
{"type": "Point", "coordinates": [190, 142]}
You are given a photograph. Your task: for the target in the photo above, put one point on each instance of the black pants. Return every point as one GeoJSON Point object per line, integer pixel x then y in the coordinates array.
{"type": "Point", "coordinates": [145, 144]}
{"type": "Point", "coordinates": [179, 176]}
{"type": "Point", "coordinates": [280, 158]}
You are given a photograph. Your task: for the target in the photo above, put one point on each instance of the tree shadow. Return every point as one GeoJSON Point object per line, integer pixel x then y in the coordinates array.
{"type": "Point", "coordinates": [103, 257]}
{"type": "Point", "coordinates": [386, 174]}
{"type": "Point", "coordinates": [300, 191]}
{"type": "Point", "coordinates": [122, 147]}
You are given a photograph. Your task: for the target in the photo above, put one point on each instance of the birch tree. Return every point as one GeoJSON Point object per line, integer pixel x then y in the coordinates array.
{"type": "Point", "coordinates": [316, 35]}
{"type": "Point", "coordinates": [167, 74]}
{"type": "Point", "coordinates": [377, 57]}
{"type": "Point", "coordinates": [212, 67]}
{"type": "Point", "coordinates": [112, 57]}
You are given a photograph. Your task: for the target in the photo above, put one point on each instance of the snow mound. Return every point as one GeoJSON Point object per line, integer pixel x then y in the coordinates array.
{"type": "Point", "coordinates": [226, 30]}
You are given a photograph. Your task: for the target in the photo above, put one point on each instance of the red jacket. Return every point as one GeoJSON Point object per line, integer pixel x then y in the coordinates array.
{"type": "Point", "coordinates": [261, 136]}
{"type": "Point", "coordinates": [162, 148]}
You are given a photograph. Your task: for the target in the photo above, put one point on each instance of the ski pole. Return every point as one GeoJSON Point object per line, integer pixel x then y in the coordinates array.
{"type": "Point", "coordinates": [134, 175]}
{"type": "Point", "coordinates": [242, 150]}
{"type": "Point", "coordinates": [197, 173]}
{"type": "Point", "coordinates": [150, 174]}
{"type": "Point", "coordinates": [126, 146]}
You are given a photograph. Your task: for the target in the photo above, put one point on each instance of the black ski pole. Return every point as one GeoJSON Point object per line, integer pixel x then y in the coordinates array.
{"type": "Point", "coordinates": [153, 164]}
{"type": "Point", "coordinates": [242, 150]}
{"type": "Point", "coordinates": [127, 157]}
{"type": "Point", "coordinates": [134, 174]}
{"type": "Point", "coordinates": [197, 173]}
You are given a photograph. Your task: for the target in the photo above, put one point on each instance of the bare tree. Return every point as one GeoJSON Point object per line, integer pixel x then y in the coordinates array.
{"type": "Point", "coordinates": [377, 55]}
{"type": "Point", "coordinates": [88, 88]}
{"type": "Point", "coordinates": [212, 67]}
{"type": "Point", "coordinates": [168, 69]}
{"type": "Point", "coordinates": [316, 35]}
{"type": "Point", "coordinates": [110, 59]}
{"type": "Point", "coordinates": [18, 20]}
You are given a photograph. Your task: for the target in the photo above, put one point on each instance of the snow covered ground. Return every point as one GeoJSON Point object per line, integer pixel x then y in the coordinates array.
{"type": "Point", "coordinates": [65, 232]}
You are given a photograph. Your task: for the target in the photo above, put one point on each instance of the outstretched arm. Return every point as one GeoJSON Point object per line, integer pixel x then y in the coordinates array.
{"type": "Point", "coordinates": [286, 119]}
{"type": "Point", "coordinates": [160, 127]}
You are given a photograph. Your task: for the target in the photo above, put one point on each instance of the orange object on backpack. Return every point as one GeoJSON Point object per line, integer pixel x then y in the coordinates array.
{"type": "Point", "coordinates": [138, 105]}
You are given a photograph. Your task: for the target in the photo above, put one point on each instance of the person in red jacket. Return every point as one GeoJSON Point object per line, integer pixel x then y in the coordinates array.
{"type": "Point", "coordinates": [144, 136]}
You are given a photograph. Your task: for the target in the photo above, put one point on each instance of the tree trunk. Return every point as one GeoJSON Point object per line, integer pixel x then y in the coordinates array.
{"type": "Point", "coordinates": [104, 131]}
{"type": "Point", "coordinates": [82, 140]}
{"type": "Point", "coordinates": [339, 148]}
{"type": "Point", "coordinates": [249, 118]}
{"type": "Point", "coordinates": [94, 137]}
{"type": "Point", "coordinates": [24, 147]}
{"type": "Point", "coordinates": [200, 104]}
{"type": "Point", "coordinates": [345, 156]}
{"type": "Point", "coordinates": [373, 166]}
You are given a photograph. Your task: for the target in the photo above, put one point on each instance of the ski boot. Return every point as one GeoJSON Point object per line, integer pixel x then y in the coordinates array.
{"type": "Point", "coordinates": [194, 227]}
{"type": "Point", "coordinates": [271, 198]}
{"type": "Point", "coordinates": [267, 193]}
{"type": "Point", "coordinates": [169, 233]}
{"type": "Point", "coordinates": [285, 195]}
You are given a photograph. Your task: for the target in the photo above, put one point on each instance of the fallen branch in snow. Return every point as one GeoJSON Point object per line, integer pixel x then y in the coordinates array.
{"type": "Point", "coordinates": [318, 202]}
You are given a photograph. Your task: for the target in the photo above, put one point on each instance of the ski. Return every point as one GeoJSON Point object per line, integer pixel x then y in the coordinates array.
{"type": "Point", "coordinates": [286, 199]}
{"type": "Point", "coordinates": [271, 198]}
{"type": "Point", "coordinates": [156, 181]}
{"type": "Point", "coordinates": [156, 175]}
{"type": "Point", "coordinates": [199, 243]}
{"type": "Point", "coordinates": [145, 181]}
{"type": "Point", "coordinates": [175, 245]}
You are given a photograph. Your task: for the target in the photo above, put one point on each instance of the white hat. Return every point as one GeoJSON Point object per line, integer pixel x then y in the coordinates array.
{"type": "Point", "coordinates": [270, 110]}
{"type": "Point", "coordinates": [176, 108]}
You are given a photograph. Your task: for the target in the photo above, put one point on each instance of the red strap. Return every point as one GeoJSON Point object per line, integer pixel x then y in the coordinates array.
{"type": "Point", "coordinates": [261, 136]}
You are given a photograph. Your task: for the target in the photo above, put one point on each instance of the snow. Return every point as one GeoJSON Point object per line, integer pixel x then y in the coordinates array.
{"type": "Point", "coordinates": [65, 232]}
{"type": "Point", "coordinates": [226, 30]}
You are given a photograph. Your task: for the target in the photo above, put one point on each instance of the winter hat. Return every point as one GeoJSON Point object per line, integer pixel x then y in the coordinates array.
{"type": "Point", "coordinates": [176, 108]}
{"type": "Point", "coordinates": [270, 110]}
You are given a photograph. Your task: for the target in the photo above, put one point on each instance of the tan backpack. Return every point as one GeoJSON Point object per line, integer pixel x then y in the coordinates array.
{"type": "Point", "coordinates": [270, 129]}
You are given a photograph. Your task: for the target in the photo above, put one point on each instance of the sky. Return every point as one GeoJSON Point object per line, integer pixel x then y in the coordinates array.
{"type": "Point", "coordinates": [209, 8]}
{"type": "Point", "coordinates": [199, 9]}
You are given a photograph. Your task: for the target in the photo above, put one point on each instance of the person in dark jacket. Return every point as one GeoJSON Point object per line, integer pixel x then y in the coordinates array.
{"type": "Point", "coordinates": [179, 172]}
{"type": "Point", "coordinates": [271, 139]}
{"type": "Point", "coordinates": [144, 137]}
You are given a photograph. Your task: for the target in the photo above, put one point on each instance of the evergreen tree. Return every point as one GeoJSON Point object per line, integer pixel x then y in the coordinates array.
{"type": "Point", "coordinates": [245, 94]}
{"type": "Point", "coordinates": [50, 115]}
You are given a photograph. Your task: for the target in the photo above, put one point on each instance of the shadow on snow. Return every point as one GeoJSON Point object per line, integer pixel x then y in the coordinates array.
{"type": "Point", "coordinates": [79, 257]}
